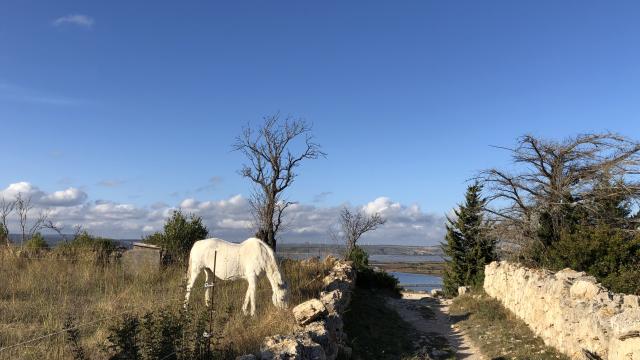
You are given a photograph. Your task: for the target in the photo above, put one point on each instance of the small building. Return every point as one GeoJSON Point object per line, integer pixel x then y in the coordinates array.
{"type": "Point", "coordinates": [142, 257]}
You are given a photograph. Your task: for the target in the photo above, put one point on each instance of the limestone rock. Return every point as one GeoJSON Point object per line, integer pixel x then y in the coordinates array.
{"type": "Point", "coordinates": [320, 333]}
{"type": "Point", "coordinates": [336, 300]}
{"type": "Point", "coordinates": [631, 301]}
{"type": "Point", "coordinates": [463, 290]}
{"type": "Point", "coordinates": [330, 260]}
{"type": "Point", "coordinates": [436, 292]}
{"type": "Point", "coordinates": [584, 289]}
{"type": "Point", "coordinates": [291, 347]}
{"type": "Point", "coordinates": [568, 310]}
{"type": "Point", "coordinates": [569, 274]}
{"type": "Point", "coordinates": [309, 311]}
{"type": "Point", "coordinates": [626, 322]}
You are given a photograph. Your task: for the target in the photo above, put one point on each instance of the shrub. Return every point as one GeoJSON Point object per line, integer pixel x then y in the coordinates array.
{"type": "Point", "coordinates": [359, 257]}
{"type": "Point", "coordinates": [84, 245]}
{"type": "Point", "coordinates": [73, 339]}
{"type": "Point", "coordinates": [164, 334]}
{"type": "Point", "coordinates": [178, 236]}
{"type": "Point", "coordinates": [36, 243]}
{"type": "Point", "coordinates": [609, 253]}
{"type": "Point", "coordinates": [123, 339]}
{"type": "Point", "coordinates": [368, 278]}
{"type": "Point", "coordinates": [4, 235]}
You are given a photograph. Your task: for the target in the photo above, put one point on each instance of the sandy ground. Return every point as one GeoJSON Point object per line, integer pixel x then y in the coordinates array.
{"type": "Point", "coordinates": [411, 309]}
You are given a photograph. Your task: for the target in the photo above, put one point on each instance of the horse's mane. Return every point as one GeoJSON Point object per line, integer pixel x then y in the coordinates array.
{"type": "Point", "coordinates": [272, 264]}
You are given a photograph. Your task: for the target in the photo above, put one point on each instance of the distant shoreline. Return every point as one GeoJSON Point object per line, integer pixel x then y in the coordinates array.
{"type": "Point", "coordinates": [426, 268]}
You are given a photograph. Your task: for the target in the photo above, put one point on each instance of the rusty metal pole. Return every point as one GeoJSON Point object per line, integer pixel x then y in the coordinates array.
{"type": "Point", "coordinates": [211, 286]}
{"type": "Point", "coordinates": [213, 289]}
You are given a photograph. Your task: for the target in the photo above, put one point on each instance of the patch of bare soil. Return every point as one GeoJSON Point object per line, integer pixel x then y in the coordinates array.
{"type": "Point", "coordinates": [439, 338]}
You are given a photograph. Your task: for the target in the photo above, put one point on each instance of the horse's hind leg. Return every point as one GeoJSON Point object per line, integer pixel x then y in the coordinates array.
{"type": "Point", "coordinates": [207, 292]}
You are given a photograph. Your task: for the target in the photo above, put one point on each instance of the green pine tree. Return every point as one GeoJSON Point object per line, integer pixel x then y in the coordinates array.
{"type": "Point", "coordinates": [467, 246]}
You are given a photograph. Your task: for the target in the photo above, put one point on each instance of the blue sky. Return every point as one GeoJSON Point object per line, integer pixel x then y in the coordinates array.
{"type": "Point", "coordinates": [137, 104]}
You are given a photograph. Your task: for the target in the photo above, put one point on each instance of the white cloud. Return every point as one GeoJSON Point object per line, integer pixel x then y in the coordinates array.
{"type": "Point", "coordinates": [24, 188]}
{"type": "Point", "coordinates": [75, 19]}
{"type": "Point", "coordinates": [229, 218]}
{"type": "Point", "coordinates": [381, 205]}
{"type": "Point", "coordinates": [68, 197]}
{"type": "Point", "coordinates": [189, 204]}
{"type": "Point", "coordinates": [235, 224]}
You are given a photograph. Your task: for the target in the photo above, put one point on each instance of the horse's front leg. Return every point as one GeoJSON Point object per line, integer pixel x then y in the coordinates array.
{"type": "Point", "coordinates": [250, 296]}
{"type": "Point", "coordinates": [191, 279]}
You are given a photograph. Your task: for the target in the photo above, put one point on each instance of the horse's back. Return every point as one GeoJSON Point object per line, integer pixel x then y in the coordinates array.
{"type": "Point", "coordinates": [256, 255]}
{"type": "Point", "coordinates": [212, 243]}
{"type": "Point", "coordinates": [225, 254]}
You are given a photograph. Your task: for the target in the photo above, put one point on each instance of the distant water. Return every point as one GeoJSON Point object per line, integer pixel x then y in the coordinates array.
{"type": "Point", "coordinates": [418, 282]}
{"type": "Point", "coordinates": [372, 258]}
{"type": "Point", "coordinates": [404, 258]}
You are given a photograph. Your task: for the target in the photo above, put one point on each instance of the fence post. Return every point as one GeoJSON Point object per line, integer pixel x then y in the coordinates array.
{"type": "Point", "coordinates": [211, 285]}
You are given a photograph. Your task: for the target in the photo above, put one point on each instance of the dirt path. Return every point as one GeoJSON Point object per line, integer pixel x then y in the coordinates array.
{"type": "Point", "coordinates": [430, 317]}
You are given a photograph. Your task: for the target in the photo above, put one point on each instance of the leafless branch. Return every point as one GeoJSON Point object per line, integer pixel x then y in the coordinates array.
{"type": "Point", "coordinates": [272, 166]}
{"type": "Point", "coordinates": [6, 208]}
{"type": "Point", "coordinates": [554, 175]}
{"type": "Point", "coordinates": [354, 224]}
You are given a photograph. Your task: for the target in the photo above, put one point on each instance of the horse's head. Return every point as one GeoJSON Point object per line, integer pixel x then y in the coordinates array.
{"type": "Point", "coordinates": [280, 296]}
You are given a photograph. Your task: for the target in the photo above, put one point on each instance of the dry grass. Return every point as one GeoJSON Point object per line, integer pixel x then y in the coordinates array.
{"type": "Point", "coordinates": [496, 331]}
{"type": "Point", "coordinates": [36, 296]}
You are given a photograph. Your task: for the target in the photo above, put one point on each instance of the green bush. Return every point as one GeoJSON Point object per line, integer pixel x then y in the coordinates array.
{"type": "Point", "coordinates": [36, 243]}
{"type": "Point", "coordinates": [179, 234]}
{"type": "Point", "coordinates": [164, 334]}
{"type": "Point", "coordinates": [84, 245]}
{"type": "Point", "coordinates": [4, 235]}
{"type": "Point", "coordinates": [359, 257]}
{"type": "Point", "coordinates": [609, 253]}
{"type": "Point", "coordinates": [368, 278]}
{"type": "Point", "coordinates": [123, 339]}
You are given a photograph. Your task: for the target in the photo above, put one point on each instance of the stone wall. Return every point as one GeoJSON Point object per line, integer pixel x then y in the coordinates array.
{"type": "Point", "coordinates": [569, 310]}
{"type": "Point", "coordinates": [319, 334]}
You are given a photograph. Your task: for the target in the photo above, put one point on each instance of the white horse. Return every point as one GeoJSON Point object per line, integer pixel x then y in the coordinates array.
{"type": "Point", "coordinates": [246, 260]}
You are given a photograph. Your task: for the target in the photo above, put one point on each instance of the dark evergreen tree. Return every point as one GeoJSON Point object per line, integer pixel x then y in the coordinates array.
{"type": "Point", "coordinates": [467, 245]}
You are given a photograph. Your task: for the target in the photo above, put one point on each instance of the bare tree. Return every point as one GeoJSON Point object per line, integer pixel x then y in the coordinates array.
{"type": "Point", "coordinates": [23, 207]}
{"type": "Point", "coordinates": [272, 167]}
{"type": "Point", "coordinates": [354, 224]}
{"type": "Point", "coordinates": [554, 176]}
{"type": "Point", "coordinates": [6, 208]}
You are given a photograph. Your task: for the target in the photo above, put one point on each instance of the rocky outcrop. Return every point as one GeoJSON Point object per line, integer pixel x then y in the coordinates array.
{"type": "Point", "coordinates": [309, 311]}
{"type": "Point", "coordinates": [320, 333]}
{"type": "Point", "coordinates": [569, 310]}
